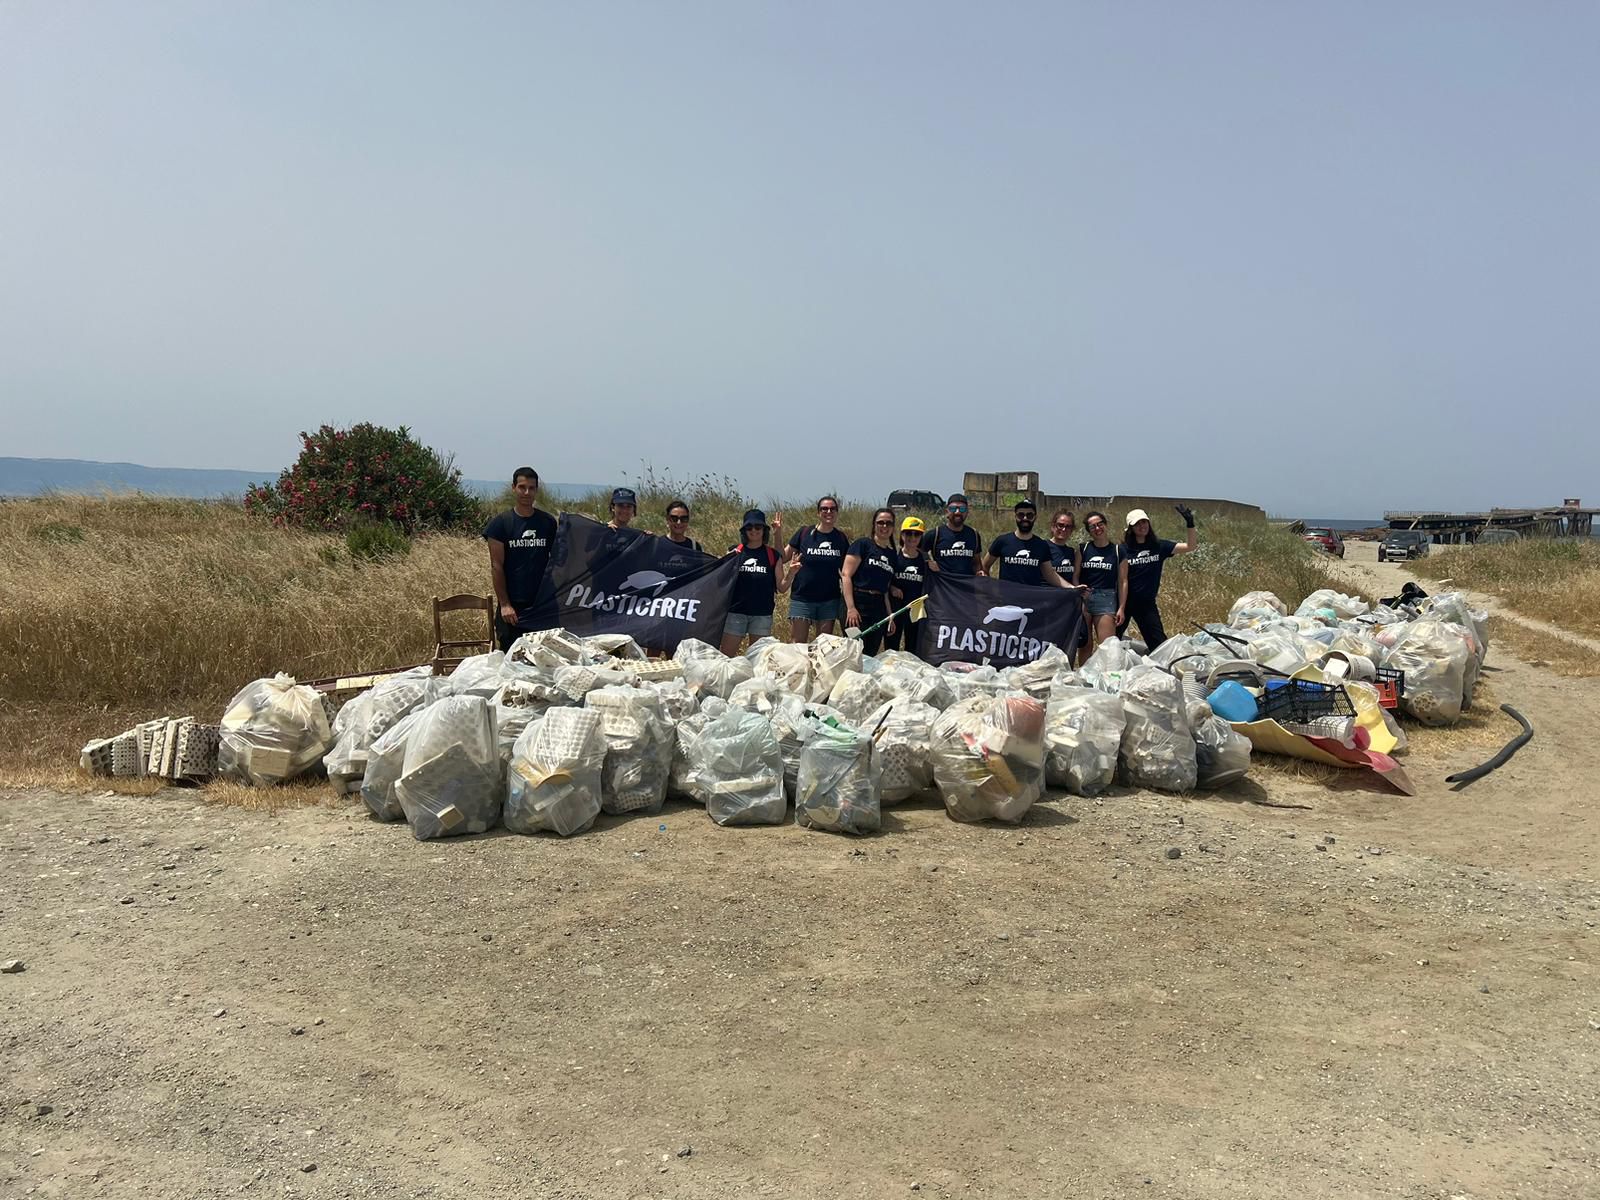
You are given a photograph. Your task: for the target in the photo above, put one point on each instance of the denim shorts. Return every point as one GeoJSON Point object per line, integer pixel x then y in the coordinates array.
{"type": "Point", "coordinates": [814, 610]}
{"type": "Point", "coordinates": [740, 624]}
{"type": "Point", "coordinates": [1102, 604]}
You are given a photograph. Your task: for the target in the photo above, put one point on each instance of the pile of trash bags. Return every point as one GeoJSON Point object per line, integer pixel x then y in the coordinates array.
{"type": "Point", "coordinates": [545, 738]}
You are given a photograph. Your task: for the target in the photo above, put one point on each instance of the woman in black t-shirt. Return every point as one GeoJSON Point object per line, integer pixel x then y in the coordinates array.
{"type": "Point", "coordinates": [1100, 566]}
{"type": "Point", "coordinates": [866, 579]}
{"type": "Point", "coordinates": [910, 566]}
{"type": "Point", "coordinates": [1143, 553]}
{"type": "Point", "coordinates": [756, 584]}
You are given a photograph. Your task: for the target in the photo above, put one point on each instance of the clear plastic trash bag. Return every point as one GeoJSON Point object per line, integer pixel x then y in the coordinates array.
{"type": "Point", "coordinates": [479, 675]}
{"type": "Point", "coordinates": [273, 730]}
{"type": "Point", "coordinates": [1257, 602]}
{"type": "Point", "coordinates": [789, 665]}
{"type": "Point", "coordinates": [988, 757]}
{"type": "Point", "coordinates": [1344, 607]}
{"type": "Point", "coordinates": [831, 657]}
{"type": "Point", "coordinates": [903, 728]}
{"type": "Point", "coordinates": [1157, 746]}
{"type": "Point", "coordinates": [639, 745]}
{"type": "Point", "coordinates": [386, 758]}
{"type": "Point", "coordinates": [550, 648]}
{"type": "Point", "coordinates": [739, 769]}
{"type": "Point", "coordinates": [713, 674]}
{"type": "Point", "coordinates": [452, 782]}
{"type": "Point", "coordinates": [1111, 660]}
{"type": "Point", "coordinates": [1222, 756]}
{"type": "Point", "coordinates": [840, 781]}
{"type": "Point", "coordinates": [553, 783]}
{"type": "Point", "coordinates": [855, 695]}
{"type": "Point", "coordinates": [1082, 737]}
{"type": "Point", "coordinates": [1435, 656]}
{"type": "Point", "coordinates": [614, 645]}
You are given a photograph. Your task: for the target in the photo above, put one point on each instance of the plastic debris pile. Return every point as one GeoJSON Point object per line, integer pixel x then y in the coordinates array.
{"type": "Point", "coordinates": [545, 738]}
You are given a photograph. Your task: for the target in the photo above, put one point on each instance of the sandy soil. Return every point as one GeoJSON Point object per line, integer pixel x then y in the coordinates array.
{"type": "Point", "coordinates": [1334, 991]}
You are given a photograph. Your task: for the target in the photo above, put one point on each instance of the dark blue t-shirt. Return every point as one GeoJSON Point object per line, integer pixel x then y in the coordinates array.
{"type": "Point", "coordinates": [1021, 559]}
{"type": "Point", "coordinates": [875, 572]}
{"type": "Point", "coordinates": [1064, 559]}
{"type": "Point", "coordinates": [529, 543]}
{"type": "Point", "coordinates": [957, 553]}
{"type": "Point", "coordinates": [676, 558]}
{"type": "Point", "coordinates": [1097, 566]}
{"type": "Point", "coordinates": [1144, 567]}
{"type": "Point", "coordinates": [821, 559]}
{"type": "Point", "coordinates": [908, 577]}
{"type": "Point", "coordinates": [755, 583]}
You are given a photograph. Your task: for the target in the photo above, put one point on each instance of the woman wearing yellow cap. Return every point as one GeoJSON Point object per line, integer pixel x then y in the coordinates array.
{"type": "Point", "coordinates": [909, 568]}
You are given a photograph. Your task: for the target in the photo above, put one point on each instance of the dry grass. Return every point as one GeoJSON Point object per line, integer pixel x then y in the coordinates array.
{"type": "Point", "coordinates": [1545, 650]}
{"type": "Point", "coordinates": [1554, 579]}
{"type": "Point", "coordinates": [119, 609]}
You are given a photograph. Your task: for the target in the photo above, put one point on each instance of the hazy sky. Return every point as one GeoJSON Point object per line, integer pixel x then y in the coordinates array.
{"type": "Point", "coordinates": [1329, 258]}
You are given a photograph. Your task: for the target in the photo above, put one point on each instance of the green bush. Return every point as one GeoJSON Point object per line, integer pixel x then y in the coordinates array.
{"type": "Point", "coordinates": [366, 473]}
{"type": "Point", "coordinates": [370, 541]}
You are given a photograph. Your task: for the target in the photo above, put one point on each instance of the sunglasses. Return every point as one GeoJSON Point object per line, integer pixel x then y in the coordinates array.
{"type": "Point", "coordinates": [826, 508]}
{"type": "Point", "coordinates": [958, 508]}
{"type": "Point", "coordinates": [883, 522]}
{"type": "Point", "coordinates": [676, 517]}
{"type": "Point", "coordinates": [1097, 524]}
{"type": "Point", "coordinates": [1063, 525]}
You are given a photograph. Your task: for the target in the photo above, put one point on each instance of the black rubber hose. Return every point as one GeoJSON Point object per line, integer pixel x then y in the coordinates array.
{"type": "Point", "coordinates": [1462, 778]}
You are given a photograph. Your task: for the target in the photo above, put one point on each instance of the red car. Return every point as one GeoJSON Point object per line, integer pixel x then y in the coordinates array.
{"type": "Point", "coordinates": [1325, 539]}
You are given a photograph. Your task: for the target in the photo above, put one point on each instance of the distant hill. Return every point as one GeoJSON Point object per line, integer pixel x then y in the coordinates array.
{"type": "Point", "coordinates": [35, 476]}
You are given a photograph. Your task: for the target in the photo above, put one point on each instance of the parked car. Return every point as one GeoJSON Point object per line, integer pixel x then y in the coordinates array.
{"type": "Point", "coordinates": [1325, 539]}
{"type": "Point", "coordinates": [913, 501]}
{"type": "Point", "coordinates": [1403, 543]}
{"type": "Point", "coordinates": [1495, 537]}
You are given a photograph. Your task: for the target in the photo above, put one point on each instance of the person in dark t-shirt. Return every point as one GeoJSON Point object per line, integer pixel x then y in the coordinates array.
{"type": "Point", "coordinates": [909, 584]}
{"type": "Point", "coordinates": [1102, 571]}
{"type": "Point", "coordinates": [1024, 556]}
{"type": "Point", "coordinates": [954, 547]}
{"type": "Point", "coordinates": [521, 540]}
{"type": "Point", "coordinates": [1064, 556]}
{"type": "Point", "coordinates": [866, 579]}
{"type": "Point", "coordinates": [1143, 554]}
{"type": "Point", "coordinates": [756, 584]}
{"type": "Point", "coordinates": [817, 554]}
{"type": "Point", "coordinates": [682, 552]}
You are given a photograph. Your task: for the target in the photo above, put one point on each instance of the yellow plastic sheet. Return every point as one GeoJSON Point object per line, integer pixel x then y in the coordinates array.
{"type": "Point", "coordinates": [1368, 713]}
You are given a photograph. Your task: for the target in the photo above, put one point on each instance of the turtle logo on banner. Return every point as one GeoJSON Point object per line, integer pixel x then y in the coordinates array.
{"type": "Point", "coordinates": [969, 618]}
{"type": "Point", "coordinates": [628, 581]}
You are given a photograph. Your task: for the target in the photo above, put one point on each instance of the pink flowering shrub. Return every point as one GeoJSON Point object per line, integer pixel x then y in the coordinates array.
{"type": "Point", "coordinates": [365, 474]}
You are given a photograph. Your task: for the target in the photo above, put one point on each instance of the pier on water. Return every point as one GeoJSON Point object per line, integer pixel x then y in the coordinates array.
{"type": "Point", "coordinates": [1570, 519]}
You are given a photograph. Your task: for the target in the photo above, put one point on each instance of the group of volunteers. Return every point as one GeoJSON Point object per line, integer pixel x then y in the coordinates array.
{"type": "Point", "coordinates": [867, 582]}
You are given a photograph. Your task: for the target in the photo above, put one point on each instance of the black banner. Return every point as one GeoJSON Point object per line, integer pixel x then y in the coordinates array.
{"type": "Point", "coordinates": [970, 618]}
{"type": "Point", "coordinates": [629, 581]}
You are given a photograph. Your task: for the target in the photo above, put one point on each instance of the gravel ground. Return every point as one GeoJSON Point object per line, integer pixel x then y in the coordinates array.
{"type": "Point", "coordinates": [1330, 990]}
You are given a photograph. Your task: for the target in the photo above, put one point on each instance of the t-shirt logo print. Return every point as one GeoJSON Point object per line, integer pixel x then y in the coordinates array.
{"type": "Point", "coordinates": [1009, 612]}
{"type": "Point", "coordinates": [641, 581]}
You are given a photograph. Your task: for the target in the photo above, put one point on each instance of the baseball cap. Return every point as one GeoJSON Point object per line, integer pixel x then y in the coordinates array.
{"type": "Point", "coordinates": [913, 525]}
{"type": "Point", "coordinates": [957, 498]}
{"type": "Point", "coordinates": [624, 496]}
{"type": "Point", "coordinates": [753, 516]}
{"type": "Point", "coordinates": [1136, 516]}
{"type": "Point", "coordinates": [1024, 503]}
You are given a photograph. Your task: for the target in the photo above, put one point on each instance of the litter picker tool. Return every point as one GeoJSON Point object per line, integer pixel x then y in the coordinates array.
{"type": "Point", "coordinates": [856, 634]}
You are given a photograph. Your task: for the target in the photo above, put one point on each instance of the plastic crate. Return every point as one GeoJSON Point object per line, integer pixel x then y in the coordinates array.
{"type": "Point", "coordinates": [1391, 685]}
{"type": "Point", "coordinates": [1299, 701]}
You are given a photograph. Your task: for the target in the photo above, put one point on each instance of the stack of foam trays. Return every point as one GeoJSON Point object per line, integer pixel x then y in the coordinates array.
{"type": "Point", "coordinates": [173, 748]}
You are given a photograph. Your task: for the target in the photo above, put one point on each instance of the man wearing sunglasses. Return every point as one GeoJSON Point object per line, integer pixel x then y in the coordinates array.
{"type": "Point", "coordinates": [1024, 556]}
{"type": "Point", "coordinates": [953, 547]}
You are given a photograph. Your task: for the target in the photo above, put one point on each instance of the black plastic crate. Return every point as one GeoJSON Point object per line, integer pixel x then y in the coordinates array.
{"type": "Point", "coordinates": [1297, 701]}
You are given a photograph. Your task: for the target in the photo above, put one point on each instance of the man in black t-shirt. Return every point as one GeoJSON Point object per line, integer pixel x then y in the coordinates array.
{"type": "Point", "coordinates": [1024, 556]}
{"type": "Point", "coordinates": [521, 540]}
{"type": "Point", "coordinates": [954, 547]}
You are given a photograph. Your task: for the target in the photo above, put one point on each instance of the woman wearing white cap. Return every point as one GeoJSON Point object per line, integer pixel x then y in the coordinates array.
{"type": "Point", "coordinates": [1144, 552]}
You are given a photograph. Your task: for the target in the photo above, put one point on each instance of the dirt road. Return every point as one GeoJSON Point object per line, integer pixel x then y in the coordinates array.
{"type": "Point", "coordinates": [1333, 991]}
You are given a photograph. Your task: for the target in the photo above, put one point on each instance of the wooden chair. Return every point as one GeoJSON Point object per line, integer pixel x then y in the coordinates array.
{"type": "Point", "coordinates": [447, 656]}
